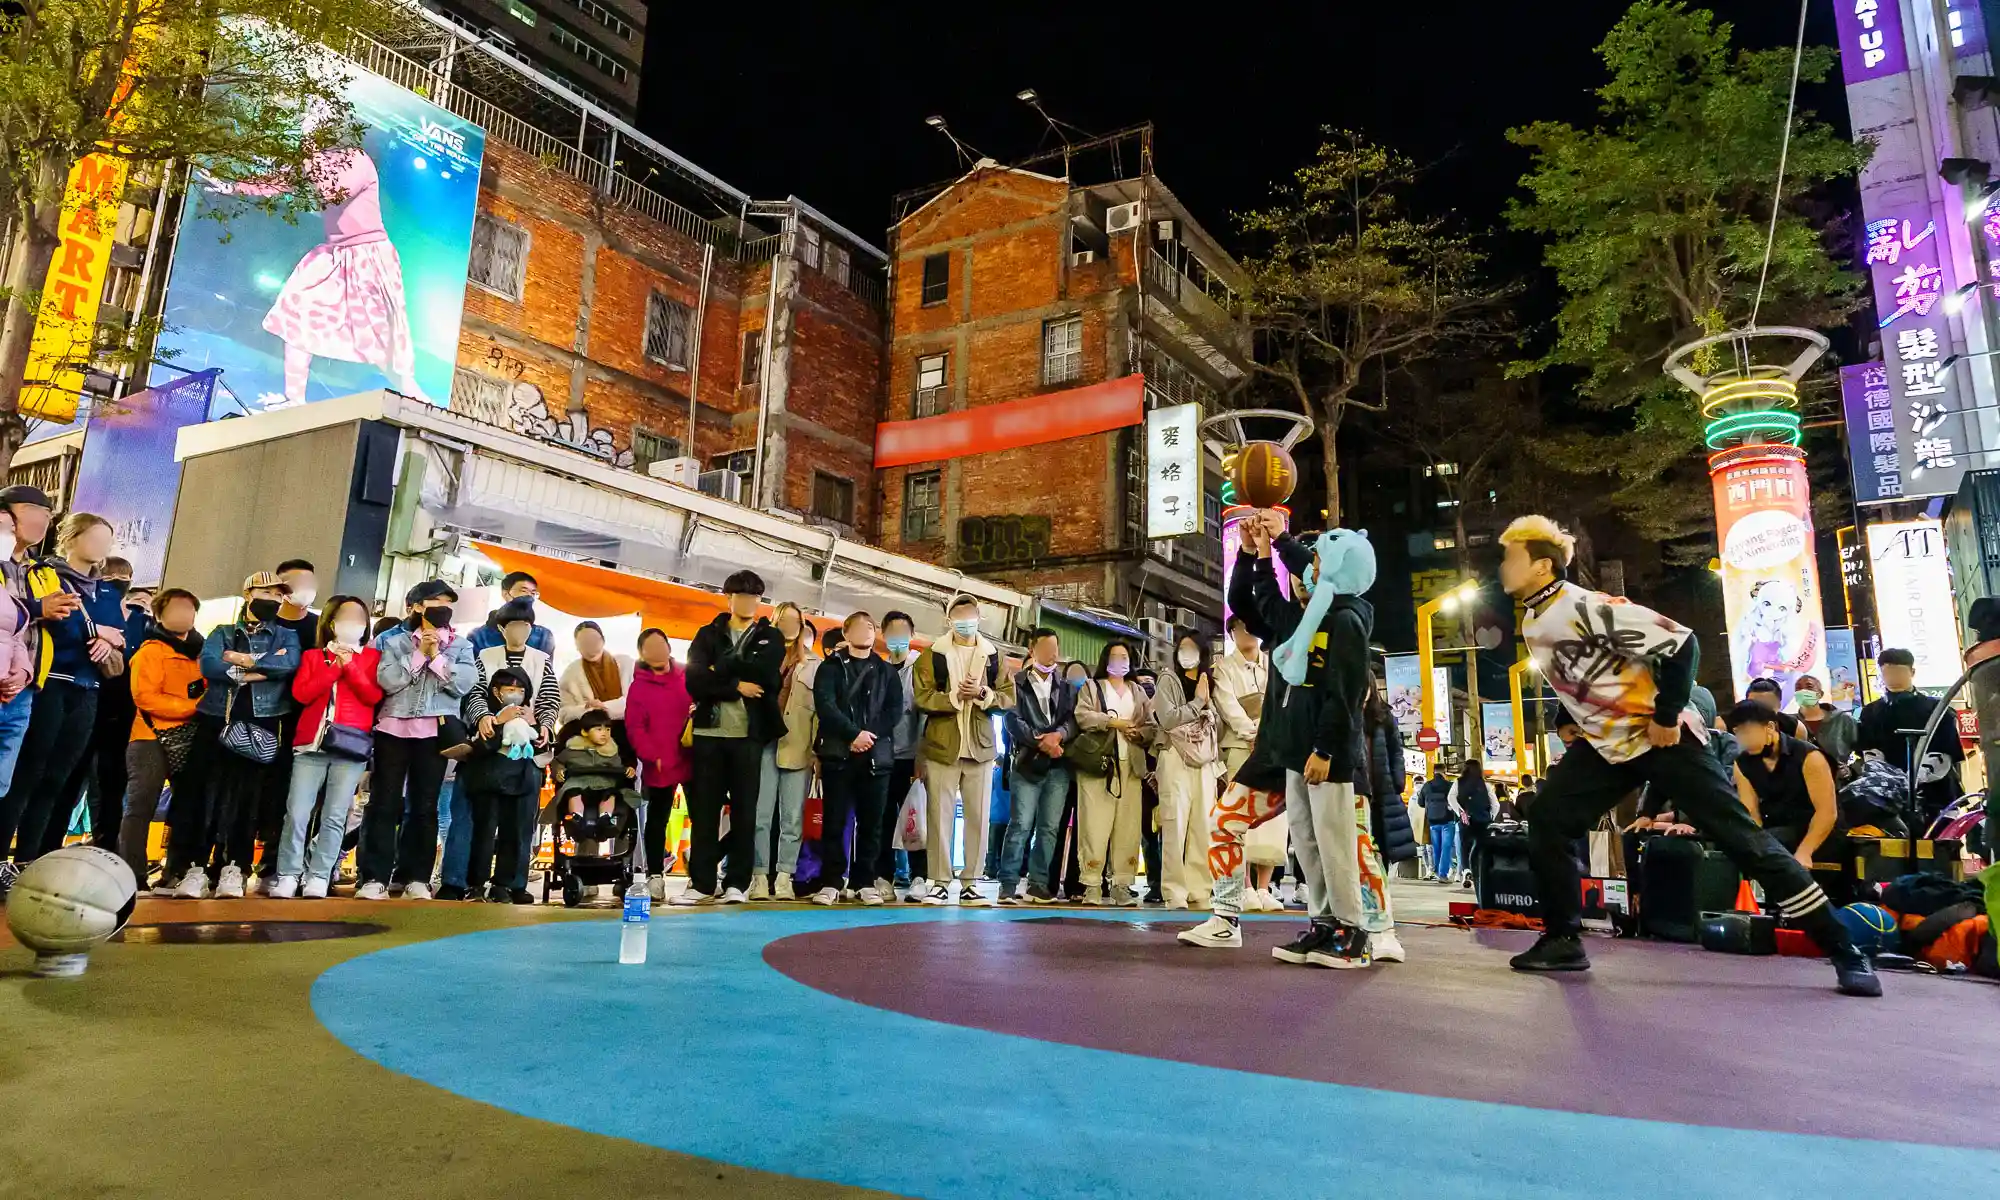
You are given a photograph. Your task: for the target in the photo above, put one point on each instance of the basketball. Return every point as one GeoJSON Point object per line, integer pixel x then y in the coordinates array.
{"type": "Point", "coordinates": [68, 901]}
{"type": "Point", "coordinates": [1263, 475]}
{"type": "Point", "coordinates": [1871, 927]}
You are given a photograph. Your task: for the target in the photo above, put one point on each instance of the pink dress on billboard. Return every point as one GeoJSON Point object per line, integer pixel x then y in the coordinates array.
{"type": "Point", "coordinates": [345, 298]}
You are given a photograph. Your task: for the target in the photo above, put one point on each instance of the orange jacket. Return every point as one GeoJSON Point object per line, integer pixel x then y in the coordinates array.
{"type": "Point", "coordinates": [160, 682]}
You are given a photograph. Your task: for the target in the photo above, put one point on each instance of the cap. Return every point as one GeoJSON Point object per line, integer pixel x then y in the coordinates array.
{"type": "Point", "coordinates": [430, 589]}
{"type": "Point", "coordinates": [266, 579]}
{"type": "Point", "coordinates": [24, 493]}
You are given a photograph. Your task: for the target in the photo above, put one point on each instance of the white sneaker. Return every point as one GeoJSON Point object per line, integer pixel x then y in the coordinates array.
{"type": "Point", "coordinates": [885, 891]}
{"type": "Point", "coordinates": [1126, 897]}
{"type": "Point", "coordinates": [688, 898]}
{"type": "Point", "coordinates": [1215, 933]}
{"type": "Point", "coordinates": [826, 897]}
{"type": "Point", "coordinates": [919, 891]}
{"type": "Point", "coordinates": [372, 890]}
{"type": "Point", "coordinates": [255, 886]}
{"type": "Point", "coordinates": [1179, 903]}
{"type": "Point", "coordinates": [229, 884]}
{"type": "Point", "coordinates": [733, 896]}
{"type": "Point", "coordinates": [657, 887]}
{"type": "Point", "coordinates": [1386, 947]}
{"type": "Point", "coordinates": [849, 896]}
{"type": "Point", "coordinates": [760, 889]}
{"type": "Point", "coordinates": [284, 887]}
{"type": "Point", "coordinates": [1093, 895]}
{"type": "Point", "coordinates": [938, 894]}
{"type": "Point", "coordinates": [872, 896]}
{"type": "Point", "coordinates": [782, 890]}
{"type": "Point", "coordinates": [969, 896]}
{"type": "Point", "coordinates": [194, 885]}
{"type": "Point", "coordinates": [314, 889]}
{"type": "Point", "coordinates": [416, 890]}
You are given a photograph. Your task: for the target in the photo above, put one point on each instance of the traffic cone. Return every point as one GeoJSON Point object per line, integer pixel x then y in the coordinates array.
{"type": "Point", "coordinates": [1746, 898]}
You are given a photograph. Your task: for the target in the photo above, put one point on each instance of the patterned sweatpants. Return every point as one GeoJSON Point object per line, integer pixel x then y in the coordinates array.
{"type": "Point", "coordinates": [1331, 836]}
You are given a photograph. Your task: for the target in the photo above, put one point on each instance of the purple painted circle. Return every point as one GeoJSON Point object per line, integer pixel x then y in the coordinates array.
{"type": "Point", "coordinates": [1657, 1032]}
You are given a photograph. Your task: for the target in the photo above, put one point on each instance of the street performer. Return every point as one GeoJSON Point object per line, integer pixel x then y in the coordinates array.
{"type": "Point", "coordinates": [1624, 673]}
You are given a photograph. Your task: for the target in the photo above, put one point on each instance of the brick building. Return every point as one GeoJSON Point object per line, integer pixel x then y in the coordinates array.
{"type": "Point", "coordinates": [1011, 283]}
{"type": "Point", "coordinates": [594, 47]}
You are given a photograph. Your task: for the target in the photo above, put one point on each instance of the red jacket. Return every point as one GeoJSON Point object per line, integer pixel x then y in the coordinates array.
{"type": "Point", "coordinates": [656, 714]}
{"type": "Point", "coordinates": [357, 695]}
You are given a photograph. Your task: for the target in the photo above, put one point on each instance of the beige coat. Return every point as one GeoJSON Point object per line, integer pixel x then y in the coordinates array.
{"type": "Point", "coordinates": [795, 749]}
{"type": "Point", "coordinates": [1235, 681]}
{"type": "Point", "coordinates": [1091, 715]}
{"type": "Point", "coordinates": [576, 695]}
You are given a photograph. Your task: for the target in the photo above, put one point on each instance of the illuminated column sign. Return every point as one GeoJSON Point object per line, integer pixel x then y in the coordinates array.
{"type": "Point", "coordinates": [1913, 605]}
{"type": "Point", "coordinates": [1770, 575]}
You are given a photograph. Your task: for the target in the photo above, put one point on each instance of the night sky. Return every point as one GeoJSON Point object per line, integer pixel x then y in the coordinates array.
{"type": "Point", "coordinates": [828, 104]}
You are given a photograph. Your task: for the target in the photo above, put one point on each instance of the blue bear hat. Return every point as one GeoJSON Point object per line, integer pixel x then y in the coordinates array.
{"type": "Point", "coordinates": [1346, 568]}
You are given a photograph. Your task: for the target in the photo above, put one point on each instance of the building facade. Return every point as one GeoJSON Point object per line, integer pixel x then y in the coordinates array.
{"type": "Point", "coordinates": [595, 47]}
{"type": "Point", "coordinates": [1010, 285]}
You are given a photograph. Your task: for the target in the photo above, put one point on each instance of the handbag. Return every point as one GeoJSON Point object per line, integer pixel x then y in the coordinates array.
{"type": "Point", "coordinates": [1094, 752]}
{"type": "Point", "coordinates": [176, 743]}
{"type": "Point", "coordinates": [247, 739]}
{"type": "Point", "coordinates": [1196, 741]}
{"type": "Point", "coordinates": [337, 740]}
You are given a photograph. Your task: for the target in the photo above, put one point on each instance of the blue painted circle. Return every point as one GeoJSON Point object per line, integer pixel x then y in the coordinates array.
{"type": "Point", "coordinates": [706, 1050]}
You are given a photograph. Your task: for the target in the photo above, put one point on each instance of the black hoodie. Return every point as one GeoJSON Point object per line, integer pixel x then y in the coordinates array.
{"type": "Point", "coordinates": [1322, 715]}
{"type": "Point", "coordinates": [716, 664]}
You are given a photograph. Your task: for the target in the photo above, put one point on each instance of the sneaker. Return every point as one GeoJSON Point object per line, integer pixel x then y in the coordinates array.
{"type": "Point", "coordinates": [1466, 882]}
{"type": "Point", "coordinates": [495, 894]}
{"type": "Point", "coordinates": [1216, 933]}
{"type": "Point", "coordinates": [314, 889]}
{"type": "Point", "coordinates": [1179, 903]}
{"type": "Point", "coordinates": [1037, 894]}
{"type": "Point", "coordinates": [919, 891]}
{"type": "Point", "coordinates": [1387, 947]}
{"type": "Point", "coordinates": [1008, 898]}
{"type": "Point", "coordinates": [1854, 975]}
{"type": "Point", "coordinates": [969, 896]}
{"type": "Point", "coordinates": [688, 898]}
{"type": "Point", "coordinates": [194, 885]}
{"type": "Point", "coordinates": [165, 888]}
{"type": "Point", "coordinates": [872, 896]}
{"type": "Point", "coordinates": [523, 896]}
{"type": "Point", "coordinates": [733, 896]}
{"type": "Point", "coordinates": [849, 896]}
{"type": "Point", "coordinates": [284, 887]}
{"type": "Point", "coordinates": [1316, 937]}
{"type": "Point", "coordinates": [451, 891]}
{"type": "Point", "coordinates": [783, 888]}
{"type": "Point", "coordinates": [1346, 951]}
{"type": "Point", "coordinates": [1552, 952]}
{"type": "Point", "coordinates": [657, 888]}
{"type": "Point", "coordinates": [1124, 897]}
{"type": "Point", "coordinates": [884, 889]}
{"type": "Point", "coordinates": [1093, 896]}
{"type": "Point", "coordinates": [372, 890]}
{"type": "Point", "coordinates": [760, 890]}
{"type": "Point", "coordinates": [229, 884]}
{"type": "Point", "coordinates": [826, 897]}
{"type": "Point", "coordinates": [938, 894]}
{"type": "Point", "coordinates": [416, 890]}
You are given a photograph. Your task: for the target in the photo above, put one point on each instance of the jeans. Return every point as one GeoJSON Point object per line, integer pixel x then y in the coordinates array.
{"type": "Point", "coordinates": [725, 775]}
{"type": "Point", "coordinates": [312, 773]}
{"type": "Point", "coordinates": [455, 831]}
{"type": "Point", "coordinates": [1038, 810]}
{"type": "Point", "coordinates": [58, 735]}
{"type": "Point", "coordinates": [850, 787]}
{"type": "Point", "coordinates": [1444, 848]}
{"type": "Point", "coordinates": [781, 797]}
{"type": "Point", "coordinates": [396, 848]}
{"type": "Point", "coordinates": [15, 716]}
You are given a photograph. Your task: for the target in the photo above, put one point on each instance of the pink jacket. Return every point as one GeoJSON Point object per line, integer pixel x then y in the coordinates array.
{"type": "Point", "coordinates": [17, 663]}
{"type": "Point", "coordinates": [656, 714]}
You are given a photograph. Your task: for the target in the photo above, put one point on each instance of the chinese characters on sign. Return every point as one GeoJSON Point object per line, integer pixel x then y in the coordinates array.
{"type": "Point", "coordinates": [1173, 471]}
{"type": "Point", "coordinates": [1913, 604]}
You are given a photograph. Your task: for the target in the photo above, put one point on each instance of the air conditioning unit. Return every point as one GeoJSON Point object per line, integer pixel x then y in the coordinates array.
{"type": "Point", "coordinates": [684, 471]}
{"type": "Point", "coordinates": [723, 485]}
{"type": "Point", "coordinates": [1166, 231]}
{"type": "Point", "coordinates": [1183, 618]}
{"type": "Point", "coordinates": [1122, 217]}
{"type": "Point", "coordinates": [1156, 630]}
{"type": "Point", "coordinates": [1083, 258]}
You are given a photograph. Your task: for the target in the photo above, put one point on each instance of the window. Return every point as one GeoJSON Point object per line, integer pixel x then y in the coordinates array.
{"type": "Point", "coordinates": [520, 12]}
{"type": "Point", "coordinates": [937, 279]}
{"type": "Point", "coordinates": [1444, 541]}
{"type": "Point", "coordinates": [499, 257]}
{"type": "Point", "coordinates": [923, 506]}
{"type": "Point", "coordinates": [589, 53]}
{"type": "Point", "coordinates": [833, 498]}
{"type": "Point", "coordinates": [1062, 350]}
{"type": "Point", "coordinates": [666, 330]}
{"type": "Point", "coordinates": [1211, 515]}
{"type": "Point", "coordinates": [838, 262]}
{"type": "Point", "coordinates": [481, 397]}
{"type": "Point", "coordinates": [649, 447]}
{"type": "Point", "coordinates": [932, 376]}
{"type": "Point", "coordinates": [753, 358]}
{"type": "Point", "coordinates": [1441, 469]}
{"type": "Point", "coordinates": [598, 13]}
{"type": "Point", "coordinates": [808, 246]}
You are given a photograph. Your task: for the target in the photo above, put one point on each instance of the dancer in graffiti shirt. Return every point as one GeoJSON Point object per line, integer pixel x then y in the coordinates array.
{"type": "Point", "coordinates": [1624, 673]}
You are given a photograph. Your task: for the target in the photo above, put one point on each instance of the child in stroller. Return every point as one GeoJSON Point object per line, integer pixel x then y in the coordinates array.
{"type": "Point", "coordinates": [595, 803]}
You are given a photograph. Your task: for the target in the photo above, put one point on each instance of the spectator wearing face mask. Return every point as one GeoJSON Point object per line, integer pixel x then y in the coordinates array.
{"type": "Point", "coordinates": [19, 641]}
{"type": "Point", "coordinates": [1108, 808]}
{"type": "Point", "coordinates": [166, 687]}
{"type": "Point", "coordinates": [959, 684]}
{"type": "Point", "coordinates": [502, 784]}
{"type": "Point", "coordinates": [249, 667]}
{"type": "Point", "coordinates": [1187, 720]}
{"type": "Point", "coordinates": [1833, 731]}
{"type": "Point", "coordinates": [897, 629]}
{"type": "Point", "coordinates": [102, 771]}
{"type": "Point", "coordinates": [1040, 726]}
{"type": "Point", "coordinates": [426, 671]}
{"type": "Point", "coordinates": [335, 686]}
{"type": "Point", "coordinates": [295, 613]}
{"type": "Point", "coordinates": [516, 622]}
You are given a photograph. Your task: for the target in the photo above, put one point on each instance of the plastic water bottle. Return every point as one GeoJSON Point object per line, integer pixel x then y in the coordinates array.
{"type": "Point", "coordinates": [638, 914]}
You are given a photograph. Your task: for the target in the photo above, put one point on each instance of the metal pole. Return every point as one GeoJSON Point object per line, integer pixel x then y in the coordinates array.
{"type": "Point", "coordinates": [694, 363]}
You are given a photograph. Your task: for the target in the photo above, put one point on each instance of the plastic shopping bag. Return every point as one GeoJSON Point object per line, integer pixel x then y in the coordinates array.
{"type": "Point", "coordinates": [910, 832]}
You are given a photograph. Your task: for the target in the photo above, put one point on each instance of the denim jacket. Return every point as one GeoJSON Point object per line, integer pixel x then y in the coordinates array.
{"type": "Point", "coordinates": [407, 692]}
{"type": "Point", "coordinates": [277, 651]}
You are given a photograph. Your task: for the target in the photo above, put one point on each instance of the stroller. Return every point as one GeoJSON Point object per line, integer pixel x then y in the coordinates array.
{"type": "Point", "coordinates": [590, 850]}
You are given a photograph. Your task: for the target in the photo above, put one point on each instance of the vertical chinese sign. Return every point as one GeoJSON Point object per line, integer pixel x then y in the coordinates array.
{"type": "Point", "coordinates": [1913, 605]}
{"type": "Point", "coordinates": [66, 329]}
{"type": "Point", "coordinates": [1173, 471]}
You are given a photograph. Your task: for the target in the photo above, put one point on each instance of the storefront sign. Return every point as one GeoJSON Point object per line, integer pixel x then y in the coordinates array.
{"type": "Point", "coordinates": [1853, 574]}
{"type": "Point", "coordinates": [1913, 604]}
{"type": "Point", "coordinates": [1496, 719]}
{"type": "Point", "coordinates": [1173, 471]}
{"type": "Point", "coordinates": [67, 326]}
{"type": "Point", "coordinates": [1403, 681]}
{"type": "Point", "coordinates": [1030, 421]}
{"type": "Point", "coordinates": [1871, 39]}
{"type": "Point", "coordinates": [1002, 541]}
{"type": "Point", "coordinates": [1770, 572]}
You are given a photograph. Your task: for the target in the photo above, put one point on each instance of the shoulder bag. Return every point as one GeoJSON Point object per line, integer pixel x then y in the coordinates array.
{"type": "Point", "coordinates": [176, 743]}
{"type": "Point", "coordinates": [1196, 741]}
{"type": "Point", "coordinates": [1094, 752]}
{"type": "Point", "coordinates": [246, 739]}
{"type": "Point", "coordinates": [337, 740]}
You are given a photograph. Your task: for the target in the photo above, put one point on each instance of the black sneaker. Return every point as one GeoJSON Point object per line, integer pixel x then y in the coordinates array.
{"type": "Point", "coordinates": [1346, 951]}
{"type": "Point", "coordinates": [9, 872]}
{"type": "Point", "coordinates": [1854, 975]}
{"type": "Point", "coordinates": [450, 891]}
{"type": "Point", "coordinates": [523, 896]}
{"type": "Point", "coordinates": [1316, 937]}
{"type": "Point", "coordinates": [1553, 952]}
{"type": "Point", "coordinates": [496, 894]}
{"type": "Point", "coordinates": [1037, 894]}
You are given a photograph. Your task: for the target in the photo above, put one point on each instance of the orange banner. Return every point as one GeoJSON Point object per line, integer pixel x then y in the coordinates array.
{"type": "Point", "coordinates": [1030, 421]}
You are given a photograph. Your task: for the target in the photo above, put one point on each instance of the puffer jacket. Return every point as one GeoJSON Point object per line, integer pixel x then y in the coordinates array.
{"type": "Point", "coordinates": [277, 651]}
{"type": "Point", "coordinates": [585, 768]}
{"type": "Point", "coordinates": [1394, 835]}
{"type": "Point", "coordinates": [657, 709]}
{"type": "Point", "coordinates": [407, 692]}
{"type": "Point", "coordinates": [164, 689]}
{"type": "Point", "coordinates": [1435, 796]}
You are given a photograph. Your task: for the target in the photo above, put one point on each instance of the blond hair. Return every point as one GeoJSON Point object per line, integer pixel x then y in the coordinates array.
{"type": "Point", "coordinates": [73, 527]}
{"type": "Point", "coordinates": [1542, 538]}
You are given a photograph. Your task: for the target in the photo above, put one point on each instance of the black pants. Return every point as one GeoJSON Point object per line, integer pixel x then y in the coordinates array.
{"type": "Point", "coordinates": [726, 772]}
{"type": "Point", "coordinates": [58, 737]}
{"type": "Point", "coordinates": [497, 839]}
{"type": "Point", "coordinates": [849, 787]}
{"type": "Point", "coordinates": [901, 775]}
{"type": "Point", "coordinates": [188, 826]}
{"type": "Point", "coordinates": [1149, 838]}
{"type": "Point", "coordinates": [1582, 787]}
{"type": "Point", "coordinates": [396, 847]}
{"type": "Point", "coordinates": [235, 787]}
{"type": "Point", "coordinates": [277, 790]}
{"type": "Point", "coordinates": [1069, 867]}
{"type": "Point", "coordinates": [659, 814]}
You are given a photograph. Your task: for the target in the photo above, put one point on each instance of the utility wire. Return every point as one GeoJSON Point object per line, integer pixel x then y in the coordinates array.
{"type": "Point", "coordinates": [1784, 148]}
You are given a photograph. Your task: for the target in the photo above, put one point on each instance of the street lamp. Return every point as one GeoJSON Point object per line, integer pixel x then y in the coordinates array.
{"type": "Point", "coordinates": [1446, 602]}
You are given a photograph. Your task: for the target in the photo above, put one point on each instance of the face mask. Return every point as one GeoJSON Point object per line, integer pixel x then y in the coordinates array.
{"type": "Point", "coordinates": [437, 616]}
{"type": "Point", "coordinates": [1146, 687]}
{"type": "Point", "coordinates": [1117, 668]}
{"type": "Point", "coordinates": [509, 698]}
{"type": "Point", "coordinates": [966, 628]}
{"type": "Point", "coordinates": [899, 645]}
{"type": "Point", "coordinates": [1189, 659]}
{"type": "Point", "coordinates": [304, 597]}
{"type": "Point", "coordinates": [7, 544]}
{"type": "Point", "coordinates": [348, 633]}
{"type": "Point", "coordinates": [263, 609]}
{"type": "Point", "coordinates": [1808, 699]}
{"type": "Point", "coordinates": [1048, 670]}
